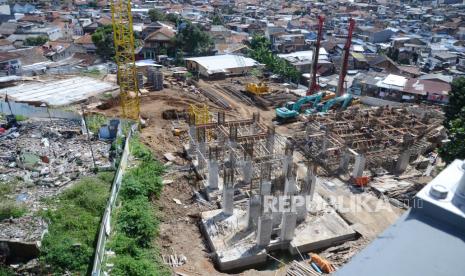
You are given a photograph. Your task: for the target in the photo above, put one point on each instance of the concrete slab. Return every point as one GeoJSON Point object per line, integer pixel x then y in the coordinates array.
{"type": "Point", "coordinates": [322, 228]}
{"type": "Point", "coordinates": [227, 237]}
{"type": "Point", "coordinates": [235, 246]}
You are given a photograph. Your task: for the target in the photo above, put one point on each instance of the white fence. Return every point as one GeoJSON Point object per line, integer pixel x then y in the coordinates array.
{"type": "Point", "coordinates": [105, 225]}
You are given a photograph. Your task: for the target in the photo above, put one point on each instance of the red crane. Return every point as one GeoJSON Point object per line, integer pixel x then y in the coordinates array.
{"type": "Point", "coordinates": [345, 61]}
{"type": "Point", "coordinates": [313, 87]}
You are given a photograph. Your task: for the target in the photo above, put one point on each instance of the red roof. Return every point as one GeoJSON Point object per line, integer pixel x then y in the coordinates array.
{"type": "Point", "coordinates": [424, 87]}
{"type": "Point", "coordinates": [85, 39]}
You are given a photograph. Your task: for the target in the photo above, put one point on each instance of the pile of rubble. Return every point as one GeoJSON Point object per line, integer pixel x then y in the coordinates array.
{"type": "Point", "coordinates": [49, 153]}
{"type": "Point", "coordinates": [24, 229]}
{"type": "Point", "coordinates": [39, 158]}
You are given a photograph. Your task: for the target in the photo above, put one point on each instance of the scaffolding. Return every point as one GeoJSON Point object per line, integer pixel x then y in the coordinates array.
{"type": "Point", "coordinates": [200, 113]}
{"type": "Point", "coordinates": [381, 135]}
{"type": "Point", "coordinates": [124, 57]}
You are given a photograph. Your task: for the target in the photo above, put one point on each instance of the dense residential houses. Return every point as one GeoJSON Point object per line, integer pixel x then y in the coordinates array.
{"type": "Point", "coordinates": [423, 40]}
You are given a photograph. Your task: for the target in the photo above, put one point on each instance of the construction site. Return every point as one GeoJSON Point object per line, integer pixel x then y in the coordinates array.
{"type": "Point", "coordinates": [234, 148]}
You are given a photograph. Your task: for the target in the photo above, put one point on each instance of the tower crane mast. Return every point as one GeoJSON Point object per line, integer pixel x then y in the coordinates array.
{"type": "Point", "coordinates": [124, 57]}
{"type": "Point", "coordinates": [345, 61]}
{"type": "Point", "coordinates": [313, 87]}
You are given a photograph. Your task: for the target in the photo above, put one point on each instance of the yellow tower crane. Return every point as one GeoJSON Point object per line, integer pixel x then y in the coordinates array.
{"type": "Point", "coordinates": [124, 57]}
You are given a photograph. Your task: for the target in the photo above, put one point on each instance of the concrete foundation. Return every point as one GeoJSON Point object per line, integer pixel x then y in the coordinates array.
{"type": "Point", "coordinates": [236, 246]}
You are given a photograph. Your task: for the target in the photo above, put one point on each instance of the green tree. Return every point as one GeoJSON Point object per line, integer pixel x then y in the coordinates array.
{"type": "Point", "coordinates": [455, 123]}
{"type": "Point", "coordinates": [173, 17]}
{"type": "Point", "coordinates": [259, 41]}
{"type": "Point", "coordinates": [103, 40]}
{"type": "Point", "coordinates": [36, 41]}
{"type": "Point", "coordinates": [217, 20]}
{"type": "Point", "coordinates": [260, 50]}
{"type": "Point", "coordinates": [156, 15]}
{"type": "Point", "coordinates": [193, 40]}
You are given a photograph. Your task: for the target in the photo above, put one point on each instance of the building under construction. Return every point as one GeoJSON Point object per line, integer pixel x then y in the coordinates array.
{"type": "Point", "coordinates": [242, 162]}
{"type": "Point", "coordinates": [382, 139]}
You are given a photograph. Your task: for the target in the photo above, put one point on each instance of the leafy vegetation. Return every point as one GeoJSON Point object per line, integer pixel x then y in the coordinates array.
{"type": "Point", "coordinates": [9, 208]}
{"type": "Point", "coordinates": [95, 121]}
{"type": "Point", "coordinates": [136, 219]}
{"type": "Point", "coordinates": [6, 271]}
{"type": "Point", "coordinates": [193, 39]}
{"type": "Point", "coordinates": [455, 123]}
{"type": "Point", "coordinates": [74, 222]}
{"type": "Point", "coordinates": [157, 15]}
{"type": "Point", "coordinates": [217, 20]}
{"type": "Point", "coordinates": [260, 50]}
{"type": "Point", "coordinates": [103, 40]}
{"type": "Point", "coordinates": [36, 41]}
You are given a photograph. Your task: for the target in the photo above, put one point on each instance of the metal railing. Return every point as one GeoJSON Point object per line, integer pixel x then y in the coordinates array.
{"type": "Point", "coordinates": [105, 225]}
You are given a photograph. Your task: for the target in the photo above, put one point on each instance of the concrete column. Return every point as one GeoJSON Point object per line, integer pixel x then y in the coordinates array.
{"type": "Point", "coordinates": [247, 171]}
{"type": "Point", "coordinates": [288, 225]}
{"type": "Point", "coordinates": [301, 210]}
{"type": "Point", "coordinates": [403, 161]}
{"type": "Point", "coordinates": [359, 166]}
{"type": "Point", "coordinates": [212, 177]}
{"type": "Point", "coordinates": [290, 186]}
{"type": "Point", "coordinates": [270, 139]}
{"type": "Point", "coordinates": [254, 209]}
{"type": "Point", "coordinates": [265, 187]}
{"type": "Point", "coordinates": [192, 136]}
{"type": "Point", "coordinates": [264, 230]}
{"type": "Point", "coordinates": [287, 160]}
{"type": "Point", "coordinates": [265, 178]}
{"type": "Point", "coordinates": [228, 191]}
{"type": "Point", "coordinates": [309, 184]}
{"type": "Point", "coordinates": [228, 200]}
{"type": "Point", "coordinates": [201, 155]}
{"type": "Point", "coordinates": [344, 165]}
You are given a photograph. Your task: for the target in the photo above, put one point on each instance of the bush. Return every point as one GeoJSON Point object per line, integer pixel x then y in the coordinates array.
{"type": "Point", "coordinates": [65, 253]}
{"type": "Point", "coordinates": [129, 266]}
{"type": "Point", "coordinates": [11, 209]}
{"type": "Point", "coordinates": [124, 245]}
{"type": "Point", "coordinates": [95, 121]}
{"type": "Point", "coordinates": [143, 181]}
{"type": "Point", "coordinates": [136, 220]}
{"type": "Point", "coordinates": [139, 150]}
{"type": "Point", "coordinates": [4, 271]}
{"type": "Point", "coordinates": [74, 222]}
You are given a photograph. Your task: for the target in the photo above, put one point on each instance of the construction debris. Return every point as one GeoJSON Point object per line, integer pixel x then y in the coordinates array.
{"type": "Point", "coordinates": [300, 269]}
{"type": "Point", "coordinates": [174, 260]}
{"type": "Point", "coordinates": [50, 153]}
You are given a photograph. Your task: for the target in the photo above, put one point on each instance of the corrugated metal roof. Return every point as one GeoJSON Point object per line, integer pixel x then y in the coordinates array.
{"type": "Point", "coordinates": [224, 62]}
{"type": "Point", "coordinates": [58, 92]}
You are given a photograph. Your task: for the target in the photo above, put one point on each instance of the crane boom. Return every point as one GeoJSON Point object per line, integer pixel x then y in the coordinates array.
{"type": "Point", "coordinates": [343, 73]}
{"type": "Point", "coordinates": [313, 87]}
{"type": "Point", "coordinates": [124, 57]}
